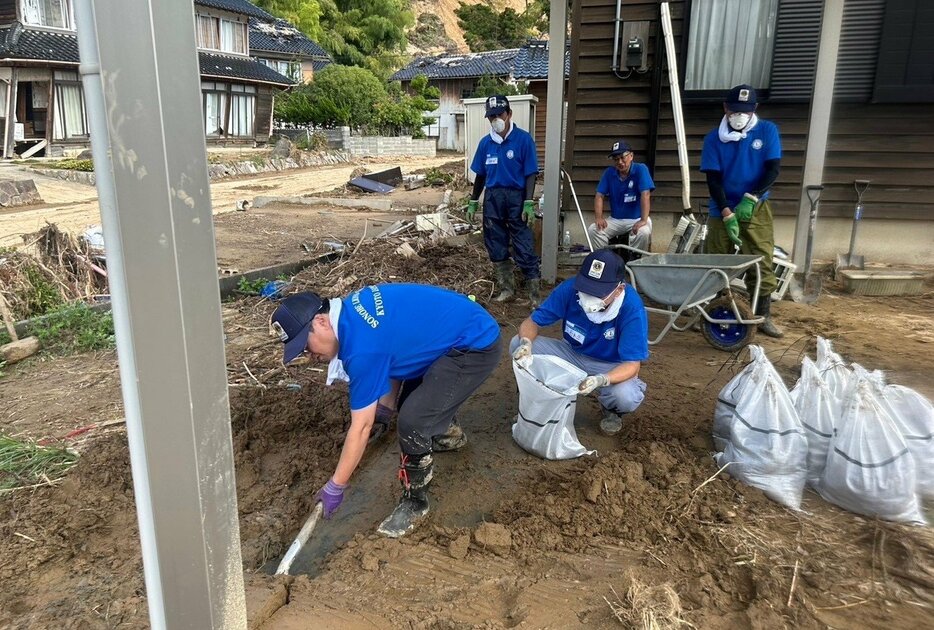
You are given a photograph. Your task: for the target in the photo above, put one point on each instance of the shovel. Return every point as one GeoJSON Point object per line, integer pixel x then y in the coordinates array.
{"type": "Point", "coordinates": [807, 290]}
{"type": "Point", "coordinates": [300, 540]}
{"type": "Point", "coordinates": [851, 260]}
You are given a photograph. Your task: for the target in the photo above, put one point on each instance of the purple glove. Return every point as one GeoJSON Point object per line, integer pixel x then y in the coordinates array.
{"type": "Point", "coordinates": [331, 496]}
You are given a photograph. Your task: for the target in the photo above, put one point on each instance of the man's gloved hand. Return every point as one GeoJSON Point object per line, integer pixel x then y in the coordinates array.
{"type": "Point", "coordinates": [593, 382]}
{"type": "Point", "coordinates": [528, 212]}
{"type": "Point", "coordinates": [331, 496]}
{"type": "Point", "coordinates": [732, 229]}
{"type": "Point", "coordinates": [523, 354]}
{"type": "Point", "coordinates": [472, 206]}
{"type": "Point", "coordinates": [746, 207]}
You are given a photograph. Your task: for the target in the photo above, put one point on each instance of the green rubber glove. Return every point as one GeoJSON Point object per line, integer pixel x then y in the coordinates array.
{"type": "Point", "coordinates": [732, 229]}
{"type": "Point", "coordinates": [528, 212]}
{"type": "Point", "coordinates": [746, 207]}
{"type": "Point", "coordinates": [472, 206]}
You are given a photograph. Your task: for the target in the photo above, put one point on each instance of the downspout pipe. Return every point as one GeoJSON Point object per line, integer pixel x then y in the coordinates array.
{"type": "Point", "coordinates": [676, 108]}
{"type": "Point", "coordinates": [90, 72]}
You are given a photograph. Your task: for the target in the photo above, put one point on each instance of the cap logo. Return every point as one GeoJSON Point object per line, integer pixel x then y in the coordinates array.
{"type": "Point", "coordinates": [596, 269]}
{"type": "Point", "coordinates": [279, 330]}
{"type": "Point", "coordinates": [491, 102]}
{"type": "Point", "coordinates": [743, 95]}
{"type": "Point", "coordinates": [615, 146]}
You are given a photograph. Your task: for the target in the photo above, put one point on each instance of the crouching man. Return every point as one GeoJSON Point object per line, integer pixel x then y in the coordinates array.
{"type": "Point", "coordinates": [605, 334]}
{"type": "Point", "coordinates": [440, 344]}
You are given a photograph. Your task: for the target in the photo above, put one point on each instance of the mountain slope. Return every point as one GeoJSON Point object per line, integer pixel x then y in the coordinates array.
{"type": "Point", "coordinates": [444, 9]}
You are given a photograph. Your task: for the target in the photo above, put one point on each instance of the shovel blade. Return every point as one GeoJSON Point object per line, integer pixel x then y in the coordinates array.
{"type": "Point", "coordinates": [812, 287]}
{"type": "Point", "coordinates": [848, 261]}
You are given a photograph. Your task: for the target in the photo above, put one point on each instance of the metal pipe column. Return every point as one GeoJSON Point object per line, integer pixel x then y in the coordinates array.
{"type": "Point", "coordinates": [554, 119]}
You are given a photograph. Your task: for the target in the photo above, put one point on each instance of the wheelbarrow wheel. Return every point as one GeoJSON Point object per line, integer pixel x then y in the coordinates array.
{"type": "Point", "coordinates": [728, 337]}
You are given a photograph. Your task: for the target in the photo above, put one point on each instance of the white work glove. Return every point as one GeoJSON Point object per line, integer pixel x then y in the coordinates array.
{"type": "Point", "coordinates": [523, 354]}
{"type": "Point", "coordinates": [593, 382]}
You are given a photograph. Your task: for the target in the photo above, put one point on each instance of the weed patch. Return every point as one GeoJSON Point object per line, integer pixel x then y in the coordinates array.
{"type": "Point", "coordinates": [75, 328]}
{"type": "Point", "coordinates": [24, 464]}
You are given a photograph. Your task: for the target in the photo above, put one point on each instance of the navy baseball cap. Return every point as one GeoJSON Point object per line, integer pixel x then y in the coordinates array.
{"type": "Point", "coordinates": [741, 98]}
{"type": "Point", "coordinates": [292, 322]}
{"type": "Point", "coordinates": [496, 105]}
{"type": "Point", "coordinates": [619, 147]}
{"type": "Point", "coordinates": [600, 273]}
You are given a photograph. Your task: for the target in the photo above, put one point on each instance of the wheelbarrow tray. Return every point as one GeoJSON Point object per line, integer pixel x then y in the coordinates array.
{"type": "Point", "coordinates": [686, 279]}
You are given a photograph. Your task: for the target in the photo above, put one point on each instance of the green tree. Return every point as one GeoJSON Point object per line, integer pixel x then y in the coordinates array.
{"type": "Point", "coordinates": [345, 95]}
{"type": "Point", "coordinates": [489, 85]}
{"type": "Point", "coordinates": [485, 29]}
{"type": "Point", "coordinates": [305, 15]}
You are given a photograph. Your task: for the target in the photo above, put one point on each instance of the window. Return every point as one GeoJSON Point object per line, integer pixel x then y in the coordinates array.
{"type": "Point", "coordinates": [290, 69]}
{"type": "Point", "coordinates": [70, 117]}
{"type": "Point", "coordinates": [224, 35]}
{"type": "Point", "coordinates": [237, 120]}
{"type": "Point", "coordinates": [51, 13]}
{"type": "Point", "coordinates": [730, 42]}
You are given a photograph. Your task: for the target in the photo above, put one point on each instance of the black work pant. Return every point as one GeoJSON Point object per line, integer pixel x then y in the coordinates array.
{"type": "Point", "coordinates": [428, 405]}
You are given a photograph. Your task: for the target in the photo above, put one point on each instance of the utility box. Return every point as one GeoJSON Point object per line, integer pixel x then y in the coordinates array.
{"type": "Point", "coordinates": [476, 125]}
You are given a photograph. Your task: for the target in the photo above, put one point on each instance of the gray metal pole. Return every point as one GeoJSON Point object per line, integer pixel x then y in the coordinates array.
{"type": "Point", "coordinates": [554, 117]}
{"type": "Point", "coordinates": [143, 102]}
{"type": "Point", "coordinates": [819, 127]}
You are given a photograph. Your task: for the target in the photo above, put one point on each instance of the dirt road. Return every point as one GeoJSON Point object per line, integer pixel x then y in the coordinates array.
{"type": "Point", "coordinates": [73, 207]}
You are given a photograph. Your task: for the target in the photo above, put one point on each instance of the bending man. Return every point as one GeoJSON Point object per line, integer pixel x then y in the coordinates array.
{"type": "Point", "coordinates": [379, 338]}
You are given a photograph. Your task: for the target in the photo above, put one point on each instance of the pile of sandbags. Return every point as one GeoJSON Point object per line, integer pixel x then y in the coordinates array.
{"type": "Point", "coordinates": [869, 446]}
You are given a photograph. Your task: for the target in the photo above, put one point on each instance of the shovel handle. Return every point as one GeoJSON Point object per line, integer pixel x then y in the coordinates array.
{"type": "Point", "coordinates": [813, 192]}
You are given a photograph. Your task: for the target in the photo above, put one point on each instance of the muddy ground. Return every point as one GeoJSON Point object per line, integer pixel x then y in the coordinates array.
{"type": "Point", "coordinates": [512, 541]}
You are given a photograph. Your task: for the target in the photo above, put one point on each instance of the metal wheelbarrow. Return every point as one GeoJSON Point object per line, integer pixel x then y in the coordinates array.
{"type": "Point", "coordinates": [697, 286]}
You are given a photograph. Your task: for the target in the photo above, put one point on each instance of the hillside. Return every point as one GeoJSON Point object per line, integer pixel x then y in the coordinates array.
{"type": "Point", "coordinates": [430, 39]}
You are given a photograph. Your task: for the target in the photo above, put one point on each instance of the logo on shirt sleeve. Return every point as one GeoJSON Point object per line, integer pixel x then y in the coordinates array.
{"type": "Point", "coordinates": [596, 269]}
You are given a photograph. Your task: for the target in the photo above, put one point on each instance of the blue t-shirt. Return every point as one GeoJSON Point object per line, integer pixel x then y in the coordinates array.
{"type": "Point", "coordinates": [625, 194]}
{"type": "Point", "coordinates": [506, 165]}
{"type": "Point", "coordinates": [396, 331]}
{"type": "Point", "coordinates": [742, 162]}
{"type": "Point", "coordinates": [625, 338]}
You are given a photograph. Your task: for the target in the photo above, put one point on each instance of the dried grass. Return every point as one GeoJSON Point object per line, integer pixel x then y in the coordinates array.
{"type": "Point", "coordinates": [648, 607]}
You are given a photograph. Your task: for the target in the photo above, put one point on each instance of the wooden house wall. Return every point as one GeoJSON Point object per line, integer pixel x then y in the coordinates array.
{"type": "Point", "coordinates": [7, 11]}
{"type": "Point", "coordinates": [892, 145]}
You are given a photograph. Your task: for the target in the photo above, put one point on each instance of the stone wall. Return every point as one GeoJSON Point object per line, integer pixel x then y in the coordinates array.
{"type": "Point", "coordinates": [18, 192]}
{"type": "Point", "coordinates": [378, 146]}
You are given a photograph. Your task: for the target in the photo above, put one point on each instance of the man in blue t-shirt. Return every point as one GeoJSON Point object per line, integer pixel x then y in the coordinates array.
{"type": "Point", "coordinates": [387, 342]}
{"type": "Point", "coordinates": [628, 186]}
{"type": "Point", "coordinates": [506, 164]}
{"type": "Point", "coordinates": [606, 334]}
{"type": "Point", "coordinates": [742, 159]}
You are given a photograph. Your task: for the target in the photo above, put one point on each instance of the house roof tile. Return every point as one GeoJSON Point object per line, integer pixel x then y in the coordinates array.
{"type": "Point", "coordinates": [226, 67]}
{"type": "Point", "coordinates": [17, 42]}
{"type": "Point", "coordinates": [532, 61]}
{"type": "Point", "coordinates": [281, 37]}
{"type": "Point", "coordinates": [236, 6]}
{"type": "Point", "coordinates": [473, 65]}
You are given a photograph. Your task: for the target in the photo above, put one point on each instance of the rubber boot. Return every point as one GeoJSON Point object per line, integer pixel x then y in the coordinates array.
{"type": "Point", "coordinates": [506, 281]}
{"type": "Point", "coordinates": [611, 423]}
{"type": "Point", "coordinates": [535, 294]}
{"type": "Point", "coordinates": [415, 474]}
{"type": "Point", "coordinates": [452, 440]}
{"type": "Point", "coordinates": [768, 327]}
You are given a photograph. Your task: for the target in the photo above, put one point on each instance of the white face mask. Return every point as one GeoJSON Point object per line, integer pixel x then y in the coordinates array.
{"type": "Point", "coordinates": [499, 125]}
{"type": "Point", "coordinates": [738, 121]}
{"type": "Point", "coordinates": [590, 303]}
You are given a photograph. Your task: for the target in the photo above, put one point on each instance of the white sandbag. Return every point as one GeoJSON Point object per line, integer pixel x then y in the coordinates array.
{"type": "Point", "coordinates": [547, 403]}
{"type": "Point", "coordinates": [913, 414]}
{"type": "Point", "coordinates": [818, 410]}
{"type": "Point", "coordinates": [756, 372]}
{"type": "Point", "coordinates": [869, 469]}
{"type": "Point", "coordinates": [833, 369]}
{"type": "Point", "coordinates": [767, 448]}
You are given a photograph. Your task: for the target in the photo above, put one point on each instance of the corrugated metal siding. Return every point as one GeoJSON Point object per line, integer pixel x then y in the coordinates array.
{"type": "Point", "coordinates": [797, 34]}
{"type": "Point", "coordinates": [859, 50]}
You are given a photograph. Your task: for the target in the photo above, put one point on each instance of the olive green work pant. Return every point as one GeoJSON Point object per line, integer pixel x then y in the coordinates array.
{"type": "Point", "coordinates": [758, 240]}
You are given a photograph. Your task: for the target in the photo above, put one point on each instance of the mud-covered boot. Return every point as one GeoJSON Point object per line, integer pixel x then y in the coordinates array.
{"type": "Point", "coordinates": [452, 440]}
{"type": "Point", "coordinates": [506, 280]}
{"type": "Point", "coordinates": [768, 327]}
{"type": "Point", "coordinates": [611, 423]}
{"type": "Point", "coordinates": [415, 474]}
{"type": "Point", "coordinates": [535, 292]}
